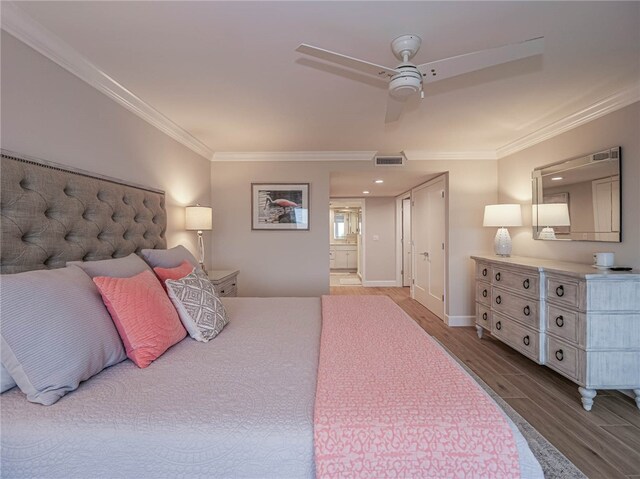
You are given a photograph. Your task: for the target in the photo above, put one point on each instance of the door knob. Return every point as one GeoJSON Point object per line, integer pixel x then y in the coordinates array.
{"type": "Point", "coordinates": [425, 254]}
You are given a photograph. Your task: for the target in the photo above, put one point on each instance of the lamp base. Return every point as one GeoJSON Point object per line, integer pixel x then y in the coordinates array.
{"type": "Point", "coordinates": [502, 242]}
{"type": "Point", "coordinates": [547, 233]}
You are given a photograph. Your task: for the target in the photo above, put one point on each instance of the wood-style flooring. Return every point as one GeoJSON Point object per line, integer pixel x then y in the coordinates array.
{"type": "Point", "coordinates": [602, 443]}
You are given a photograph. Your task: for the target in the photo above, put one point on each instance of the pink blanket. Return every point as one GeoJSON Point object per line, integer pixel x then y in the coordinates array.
{"type": "Point", "coordinates": [390, 402]}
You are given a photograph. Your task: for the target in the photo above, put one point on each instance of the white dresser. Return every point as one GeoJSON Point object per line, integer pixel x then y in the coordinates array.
{"type": "Point", "coordinates": [582, 322]}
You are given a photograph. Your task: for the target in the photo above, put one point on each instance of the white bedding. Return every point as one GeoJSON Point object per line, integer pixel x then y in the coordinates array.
{"type": "Point", "coordinates": [238, 406]}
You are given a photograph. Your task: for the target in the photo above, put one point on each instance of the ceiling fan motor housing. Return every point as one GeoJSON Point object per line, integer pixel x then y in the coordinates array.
{"type": "Point", "coordinates": [405, 45]}
{"type": "Point", "coordinates": [407, 82]}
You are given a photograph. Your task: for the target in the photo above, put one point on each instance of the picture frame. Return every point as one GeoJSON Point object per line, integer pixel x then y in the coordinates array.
{"type": "Point", "coordinates": [280, 206]}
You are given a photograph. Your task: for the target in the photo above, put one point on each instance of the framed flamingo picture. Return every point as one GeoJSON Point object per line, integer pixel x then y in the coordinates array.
{"type": "Point", "coordinates": [280, 206]}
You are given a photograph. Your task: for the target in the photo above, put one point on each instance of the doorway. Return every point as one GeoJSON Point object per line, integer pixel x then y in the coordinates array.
{"type": "Point", "coordinates": [345, 242]}
{"type": "Point", "coordinates": [428, 238]}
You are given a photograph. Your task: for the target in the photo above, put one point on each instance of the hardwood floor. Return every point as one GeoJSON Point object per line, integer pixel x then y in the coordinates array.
{"type": "Point", "coordinates": [603, 443]}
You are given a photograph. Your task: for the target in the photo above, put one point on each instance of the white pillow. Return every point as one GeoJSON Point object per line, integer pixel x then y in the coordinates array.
{"type": "Point", "coordinates": [200, 310]}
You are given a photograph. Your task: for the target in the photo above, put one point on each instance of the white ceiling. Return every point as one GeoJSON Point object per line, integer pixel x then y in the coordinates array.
{"type": "Point", "coordinates": [228, 73]}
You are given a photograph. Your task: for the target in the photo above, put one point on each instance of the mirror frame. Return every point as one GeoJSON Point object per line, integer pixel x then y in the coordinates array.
{"type": "Point", "coordinates": [613, 155]}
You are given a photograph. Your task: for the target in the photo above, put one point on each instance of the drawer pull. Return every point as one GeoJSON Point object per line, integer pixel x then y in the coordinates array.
{"type": "Point", "coordinates": [559, 355]}
{"type": "Point", "coordinates": [560, 291]}
{"type": "Point", "coordinates": [484, 316]}
{"type": "Point", "coordinates": [525, 284]}
{"type": "Point", "coordinates": [497, 276]}
{"type": "Point", "coordinates": [526, 310]}
{"type": "Point", "coordinates": [484, 293]}
{"type": "Point", "coordinates": [499, 325]}
{"type": "Point", "coordinates": [233, 284]}
{"type": "Point", "coordinates": [222, 291]}
{"type": "Point", "coordinates": [484, 272]}
{"type": "Point", "coordinates": [560, 321]}
{"type": "Point", "coordinates": [526, 340]}
{"type": "Point", "coordinates": [498, 299]}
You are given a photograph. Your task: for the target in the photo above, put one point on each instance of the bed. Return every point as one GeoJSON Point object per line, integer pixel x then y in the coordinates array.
{"type": "Point", "coordinates": [291, 387]}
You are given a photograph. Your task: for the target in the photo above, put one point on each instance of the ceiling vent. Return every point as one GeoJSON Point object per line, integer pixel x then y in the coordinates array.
{"type": "Point", "coordinates": [390, 160]}
{"type": "Point", "coordinates": [612, 154]}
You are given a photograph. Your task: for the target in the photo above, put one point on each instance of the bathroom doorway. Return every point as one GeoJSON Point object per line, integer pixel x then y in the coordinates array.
{"type": "Point", "coordinates": [345, 242]}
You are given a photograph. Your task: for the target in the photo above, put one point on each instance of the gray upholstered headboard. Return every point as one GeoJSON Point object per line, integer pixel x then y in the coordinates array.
{"type": "Point", "coordinates": [51, 214]}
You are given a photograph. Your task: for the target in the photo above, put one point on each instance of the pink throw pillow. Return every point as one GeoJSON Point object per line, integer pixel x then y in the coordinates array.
{"type": "Point", "coordinates": [146, 320]}
{"type": "Point", "coordinates": [178, 272]}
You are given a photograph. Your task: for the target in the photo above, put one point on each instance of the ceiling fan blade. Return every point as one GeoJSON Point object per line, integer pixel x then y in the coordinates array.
{"type": "Point", "coordinates": [458, 65]}
{"type": "Point", "coordinates": [394, 109]}
{"type": "Point", "coordinates": [349, 62]}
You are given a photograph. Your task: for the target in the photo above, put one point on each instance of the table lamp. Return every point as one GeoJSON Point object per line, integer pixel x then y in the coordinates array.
{"type": "Point", "coordinates": [549, 215]}
{"type": "Point", "coordinates": [198, 218]}
{"type": "Point", "coordinates": [502, 216]}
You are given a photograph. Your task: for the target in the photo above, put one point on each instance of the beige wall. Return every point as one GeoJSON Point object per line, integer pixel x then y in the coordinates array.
{"type": "Point", "coordinates": [296, 263]}
{"type": "Point", "coordinates": [49, 113]}
{"type": "Point", "coordinates": [514, 176]}
{"type": "Point", "coordinates": [380, 253]}
{"type": "Point", "coordinates": [271, 263]}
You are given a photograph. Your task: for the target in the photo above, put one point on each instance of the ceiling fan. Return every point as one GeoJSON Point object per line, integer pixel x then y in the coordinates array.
{"type": "Point", "coordinates": [407, 79]}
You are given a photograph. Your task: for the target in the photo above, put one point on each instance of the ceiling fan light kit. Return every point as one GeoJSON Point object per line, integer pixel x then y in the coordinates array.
{"type": "Point", "coordinates": [407, 78]}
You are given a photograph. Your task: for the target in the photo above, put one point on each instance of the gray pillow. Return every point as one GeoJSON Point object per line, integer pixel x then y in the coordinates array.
{"type": "Point", "coordinates": [168, 258]}
{"type": "Point", "coordinates": [56, 332]}
{"type": "Point", "coordinates": [6, 381]}
{"type": "Point", "coordinates": [200, 310]}
{"type": "Point", "coordinates": [114, 268]}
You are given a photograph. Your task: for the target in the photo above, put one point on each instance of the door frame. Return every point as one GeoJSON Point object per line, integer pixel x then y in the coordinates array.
{"type": "Point", "coordinates": [399, 258]}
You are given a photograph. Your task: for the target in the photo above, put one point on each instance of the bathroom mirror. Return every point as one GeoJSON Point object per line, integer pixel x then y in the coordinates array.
{"type": "Point", "coordinates": [578, 199]}
{"type": "Point", "coordinates": [345, 223]}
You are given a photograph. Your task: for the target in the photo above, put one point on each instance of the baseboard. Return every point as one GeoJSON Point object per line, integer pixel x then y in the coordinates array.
{"type": "Point", "coordinates": [380, 284]}
{"type": "Point", "coordinates": [459, 321]}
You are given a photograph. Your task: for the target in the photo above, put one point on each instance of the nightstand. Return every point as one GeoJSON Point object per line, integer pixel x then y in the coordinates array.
{"type": "Point", "coordinates": [224, 281]}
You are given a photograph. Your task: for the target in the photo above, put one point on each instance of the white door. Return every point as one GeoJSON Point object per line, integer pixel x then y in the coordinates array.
{"type": "Point", "coordinates": [428, 224]}
{"type": "Point", "coordinates": [406, 242]}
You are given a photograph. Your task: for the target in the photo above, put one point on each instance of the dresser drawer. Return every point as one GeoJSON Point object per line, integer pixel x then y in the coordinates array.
{"type": "Point", "coordinates": [483, 272]}
{"type": "Point", "coordinates": [562, 357]}
{"type": "Point", "coordinates": [563, 323]}
{"type": "Point", "coordinates": [522, 282]}
{"type": "Point", "coordinates": [483, 293]}
{"type": "Point", "coordinates": [562, 291]}
{"type": "Point", "coordinates": [520, 338]}
{"type": "Point", "coordinates": [522, 309]}
{"type": "Point", "coordinates": [483, 316]}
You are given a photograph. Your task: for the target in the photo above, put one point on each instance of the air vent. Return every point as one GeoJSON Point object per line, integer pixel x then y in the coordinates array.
{"type": "Point", "coordinates": [603, 155]}
{"type": "Point", "coordinates": [389, 160]}
{"type": "Point", "coordinates": [613, 154]}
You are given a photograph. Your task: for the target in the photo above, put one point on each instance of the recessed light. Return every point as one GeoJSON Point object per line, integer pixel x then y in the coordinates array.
{"type": "Point", "coordinates": [365, 192]}
{"type": "Point", "coordinates": [379, 181]}
{"type": "Point", "coordinates": [556, 178]}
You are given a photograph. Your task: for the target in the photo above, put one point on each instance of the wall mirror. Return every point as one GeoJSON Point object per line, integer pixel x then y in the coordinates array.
{"type": "Point", "coordinates": [345, 223]}
{"type": "Point", "coordinates": [578, 199]}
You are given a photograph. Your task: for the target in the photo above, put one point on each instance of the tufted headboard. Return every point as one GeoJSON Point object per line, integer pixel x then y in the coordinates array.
{"type": "Point", "coordinates": [51, 214]}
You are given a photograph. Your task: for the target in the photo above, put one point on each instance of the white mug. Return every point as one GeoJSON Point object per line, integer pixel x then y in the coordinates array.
{"type": "Point", "coordinates": [603, 259]}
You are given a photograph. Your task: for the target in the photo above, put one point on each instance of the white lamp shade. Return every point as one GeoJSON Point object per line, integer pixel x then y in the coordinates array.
{"type": "Point", "coordinates": [551, 214]}
{"type": "Point", "coordinates": [198, 218]}
{"type": "Point", "coordinates": [502, 215]}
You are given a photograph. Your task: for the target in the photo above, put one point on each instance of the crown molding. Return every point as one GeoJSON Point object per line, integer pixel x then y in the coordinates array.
{"type": "Point", "coordinates": [293, 156]}
{"type": "Point", "coordinates": [603, 107]}
{"type": "Point", "coordinates": [20, 25]}
{"type": "Point", "coordinates": [424, 155]}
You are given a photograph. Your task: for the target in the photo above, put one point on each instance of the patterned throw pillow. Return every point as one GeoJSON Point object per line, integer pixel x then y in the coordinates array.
{"type": "Point", "coordinates": [200, 310]}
